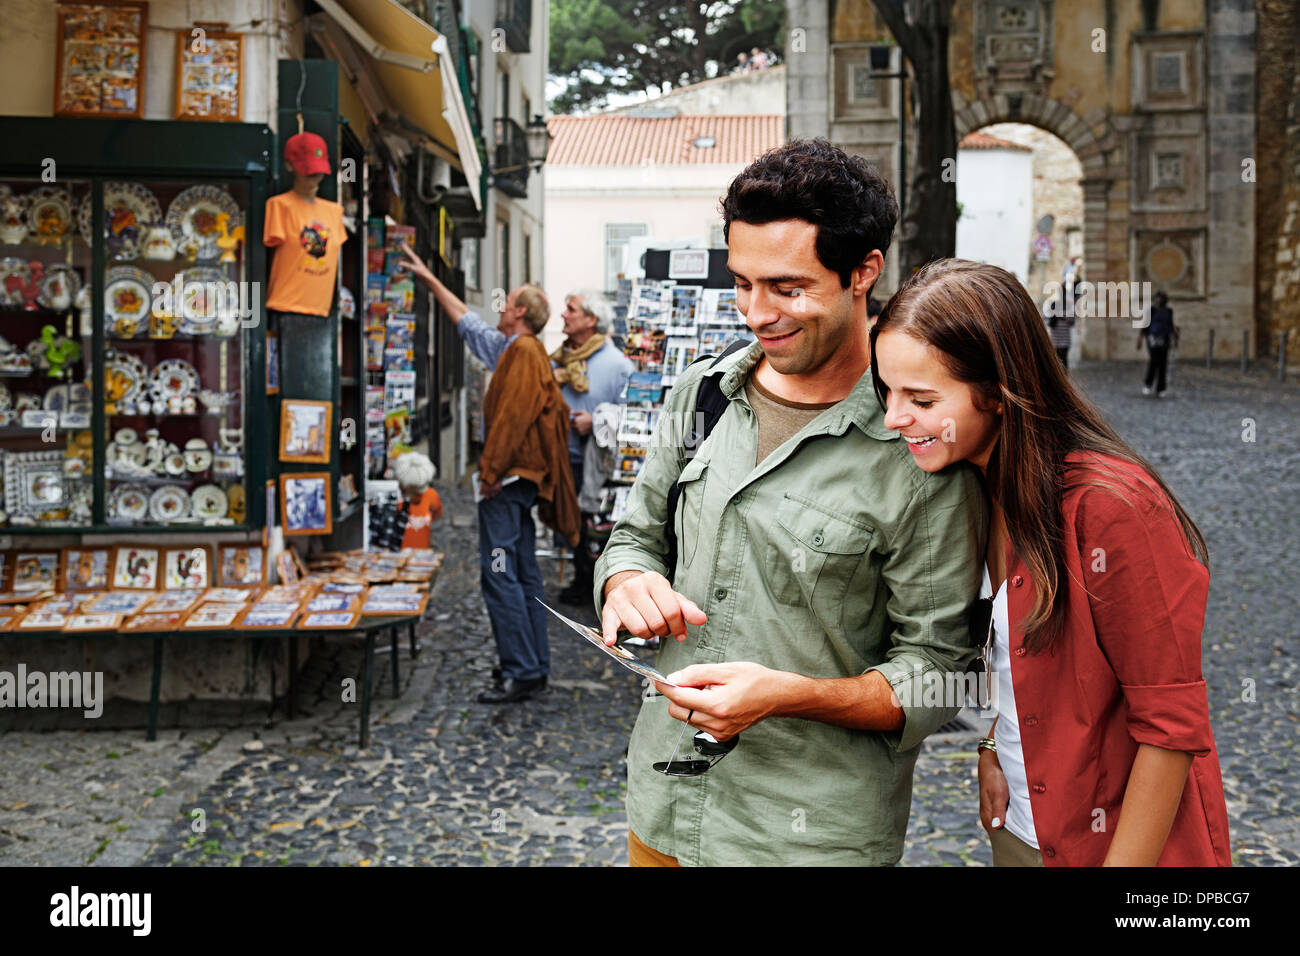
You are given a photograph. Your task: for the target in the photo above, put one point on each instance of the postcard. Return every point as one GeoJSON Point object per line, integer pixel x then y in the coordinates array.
{"type": "Point", "coordinates": [620, 654]}
{"type": "Point", "coordinates": [93, 622]}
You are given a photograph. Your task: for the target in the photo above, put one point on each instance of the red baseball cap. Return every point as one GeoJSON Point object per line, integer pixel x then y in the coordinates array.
{"type": "Point", "coordinates": [308, 153]}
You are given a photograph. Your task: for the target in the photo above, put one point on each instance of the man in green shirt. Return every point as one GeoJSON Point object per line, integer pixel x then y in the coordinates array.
{"type": "Point", "coordinates": [822, 579]}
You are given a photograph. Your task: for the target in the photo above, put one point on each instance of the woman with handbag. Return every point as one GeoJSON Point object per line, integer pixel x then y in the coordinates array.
{"type": "Point", "coordinates": [1103, 752]}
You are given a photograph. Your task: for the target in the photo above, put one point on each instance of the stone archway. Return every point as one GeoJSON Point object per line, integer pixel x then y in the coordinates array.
{"type": "Point", "coordinates": [1100, 150]}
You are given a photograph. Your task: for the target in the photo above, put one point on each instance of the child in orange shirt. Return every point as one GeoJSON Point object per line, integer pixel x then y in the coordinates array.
{"type": "Point", "coordinates": [415, 474]}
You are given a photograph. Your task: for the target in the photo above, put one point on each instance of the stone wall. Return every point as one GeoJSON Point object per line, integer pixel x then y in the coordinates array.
{"type": "Point", "coordinates": [1277, 221]}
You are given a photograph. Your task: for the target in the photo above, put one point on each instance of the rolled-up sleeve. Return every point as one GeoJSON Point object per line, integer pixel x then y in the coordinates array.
{"type": "Point", "coordinates": [1147, 593]}
{"type": "Point", "coordinates": [933, 574]}
{"type": "Point", "coordinates": [486, 343]}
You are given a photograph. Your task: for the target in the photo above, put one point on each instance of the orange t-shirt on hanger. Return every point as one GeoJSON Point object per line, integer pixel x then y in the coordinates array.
{"type": "Point", "coordinates": [304, 269]}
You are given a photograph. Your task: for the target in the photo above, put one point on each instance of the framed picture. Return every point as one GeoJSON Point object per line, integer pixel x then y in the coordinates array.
{"type": "Point", "coordinates": [209, 73]}
{"type": "Point", "coordinates": [85, 568]}
{"type": "Point", "coordinates": [170, 602]}
{"type": "Point", "coordinates": [154, 621]}
{"type": "Point", "coordinates": [86, 598]}
{"type": "Point", "coordinates": [331, 602]}
{"type": "Point", "coordinates": [286, 568]}
{"type": "Point", "coordinates": [305, 505]}
{"type": "Point", "coordinates": [305, 430]}
{"type": "Point", "coordinates": [394, 604]}
{"type": "Point", "coordinates": [42, 620]}
{"type": "Point", "coordinates": [326, 619]}
{"type": "Point", "coordinates": [118, 602]}
{"type": "Point", "coordinates": [213, 616]}
{"type": "Point", "coordinates": [187, 568]}
{"type": "Point", "coordinates": [36, 570]}
{"type": "Point", "coordinates": [241, 566]}
{"type": "Point", "coordinates": [135, 567]}
{"type": "Point", "coordinates": [9, 616]}
{"type": "Point", "coordinates": [93, 622]}
{"type": "Point", "coordinates": [226, 595]}
{"type": "Point", "coordinates": [63, 604]}
{"type": "Point", "coordinates": [269, 615]}
{"type": "Point", "coordinates": [100, 59]}
{"type": "Point", "coordinates": [272, 365]}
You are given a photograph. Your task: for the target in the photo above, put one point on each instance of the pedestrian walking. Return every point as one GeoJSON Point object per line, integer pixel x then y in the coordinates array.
{"type": "Point", "coordinates": [1097, 579]}
{"type": "Point", "coordinates": [1160, 334]}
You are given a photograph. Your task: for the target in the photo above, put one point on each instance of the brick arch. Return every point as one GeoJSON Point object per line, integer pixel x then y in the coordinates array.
{"type": "Point", "coordinates": [1100, 150]}
{"type": "Point", "coordinates": [1092, 138]}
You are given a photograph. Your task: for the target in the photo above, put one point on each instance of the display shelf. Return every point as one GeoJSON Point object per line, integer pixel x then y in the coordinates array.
{"type": "Point", "coordinates": [122, 223]}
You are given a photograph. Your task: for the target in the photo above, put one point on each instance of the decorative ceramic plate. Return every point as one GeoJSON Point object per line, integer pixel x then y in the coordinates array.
{"type": "Point", "coordinates": [173, 378]}
{"type": "Point", "coordinates": [169, 503]}
{"type": "Point", "coordinates": [5, 399]}
{"type": "Point", "coordinates": [128, 501]}
{"type": "Point", "coordinates": [201, 304]}
{"type": "Point", "coordinates": [193, 214]}
{"type": "Point", "coordinates": [209, 501]}
{"type": "Point", "coordinates": [128, 208]}
{"type": "Point", "coordinates": [13, 266]}
{"type": "Point", "coordinates": [128, 294]}
{"type": "Point", "coordinates": [59, 287]}
{"type": "Point", "coordinates": [174, 464]}
{"type": "Point", "coordinates": [126, 376]}
{"type": "Point", "coordinates": [49, 214]}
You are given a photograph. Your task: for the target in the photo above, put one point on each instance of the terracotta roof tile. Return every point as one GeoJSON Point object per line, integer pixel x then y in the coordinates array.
{"type": "Point", "coordinates": [985, 141]}
{"type": "Point", "coordinates": [621, 140]}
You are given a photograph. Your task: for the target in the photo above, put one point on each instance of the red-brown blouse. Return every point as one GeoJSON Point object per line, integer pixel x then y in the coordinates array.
{"type": "Point", "coordinates": [1125, 671]}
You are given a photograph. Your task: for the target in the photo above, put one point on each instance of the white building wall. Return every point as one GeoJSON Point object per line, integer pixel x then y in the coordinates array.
{"type": "Point", "coordinates": [995, 189]}
{"type": "Point", "coordinates": [29, 44]}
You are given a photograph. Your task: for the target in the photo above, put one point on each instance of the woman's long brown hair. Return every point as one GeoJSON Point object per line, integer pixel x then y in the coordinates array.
{"type": "Point", "coordinates": [985, 325]}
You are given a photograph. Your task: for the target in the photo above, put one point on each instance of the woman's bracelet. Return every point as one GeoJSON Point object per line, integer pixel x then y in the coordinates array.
{"type": "Point", "coordinates": [989, 744]}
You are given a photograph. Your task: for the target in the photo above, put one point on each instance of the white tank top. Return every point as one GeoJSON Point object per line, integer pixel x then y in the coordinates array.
{"type": "Point", "coordinates": [1011, 756]}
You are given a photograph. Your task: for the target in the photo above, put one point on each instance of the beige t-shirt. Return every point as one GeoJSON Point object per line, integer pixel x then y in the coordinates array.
{"type": "Point", "coordinates": [778, 418]}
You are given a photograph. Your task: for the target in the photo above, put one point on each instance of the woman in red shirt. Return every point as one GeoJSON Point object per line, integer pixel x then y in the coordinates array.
{"type": "Point", "coordinates": [1109, 754]}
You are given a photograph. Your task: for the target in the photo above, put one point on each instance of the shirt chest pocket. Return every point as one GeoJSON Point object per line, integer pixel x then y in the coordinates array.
{"type": "Point", "coordinates": [690, 509]}
{"type": "Point", "coordinates": [813, 555]}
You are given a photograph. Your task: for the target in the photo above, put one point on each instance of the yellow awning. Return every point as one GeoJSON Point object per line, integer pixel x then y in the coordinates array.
{"type": "Point", "coordinates": [410, 62]}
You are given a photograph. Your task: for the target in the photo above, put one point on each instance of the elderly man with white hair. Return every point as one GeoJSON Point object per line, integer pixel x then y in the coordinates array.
{"type": "Point", "coordinates": [591, 370]}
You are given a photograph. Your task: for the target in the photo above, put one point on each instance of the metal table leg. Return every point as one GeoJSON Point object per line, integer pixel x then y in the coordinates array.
{"type": "Point", "coordinates": [365, 688]}
{"type": "Point", "coordinates": [155, 686]}
{"type": "Point", "coordinates": [410, 633]}
{"type": "Point", "coordinates": [292, 702]}
{"type": "Point", "coordinates": [392, 647]}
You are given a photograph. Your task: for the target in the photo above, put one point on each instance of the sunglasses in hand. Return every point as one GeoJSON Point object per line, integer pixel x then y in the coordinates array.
{"type": "Point", "coordinates": [705, 745]}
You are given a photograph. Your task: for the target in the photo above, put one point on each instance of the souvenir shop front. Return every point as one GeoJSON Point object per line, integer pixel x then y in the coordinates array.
{"type": "Point", "coordinates": [134, 406]}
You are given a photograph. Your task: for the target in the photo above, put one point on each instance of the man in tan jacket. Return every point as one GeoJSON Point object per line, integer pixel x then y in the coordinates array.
{"type": "Point", "coordinates": [525, 461]}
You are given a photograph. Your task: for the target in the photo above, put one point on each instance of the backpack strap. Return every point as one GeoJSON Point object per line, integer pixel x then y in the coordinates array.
{"type": "Point", "coordinates": [710, 403]}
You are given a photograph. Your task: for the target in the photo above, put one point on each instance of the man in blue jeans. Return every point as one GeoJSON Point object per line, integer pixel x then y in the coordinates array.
{"type": "Point", "coordinates": [525, 461]}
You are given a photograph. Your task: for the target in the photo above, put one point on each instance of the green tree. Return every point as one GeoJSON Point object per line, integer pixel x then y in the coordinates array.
{"type": "Point", "coordinates": [929, 227]}
{"type": "Point", "coordinates": [602, 47]}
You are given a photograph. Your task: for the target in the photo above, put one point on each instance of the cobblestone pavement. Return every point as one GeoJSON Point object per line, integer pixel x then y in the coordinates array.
{"type": "Point", "coordinates": [449, 781]}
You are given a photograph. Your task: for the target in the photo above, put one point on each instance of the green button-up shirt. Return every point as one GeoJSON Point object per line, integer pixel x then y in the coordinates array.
{"type": "Point", "coordinates": [835, 556]}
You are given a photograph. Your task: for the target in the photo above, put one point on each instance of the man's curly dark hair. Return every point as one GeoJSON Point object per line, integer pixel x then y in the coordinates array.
{"type": "Point", "coordinates": [852, 205]}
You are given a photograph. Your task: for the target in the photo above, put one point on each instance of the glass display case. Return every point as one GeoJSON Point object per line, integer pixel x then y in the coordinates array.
{"type": "Point", "coordinates": [139, 284]}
